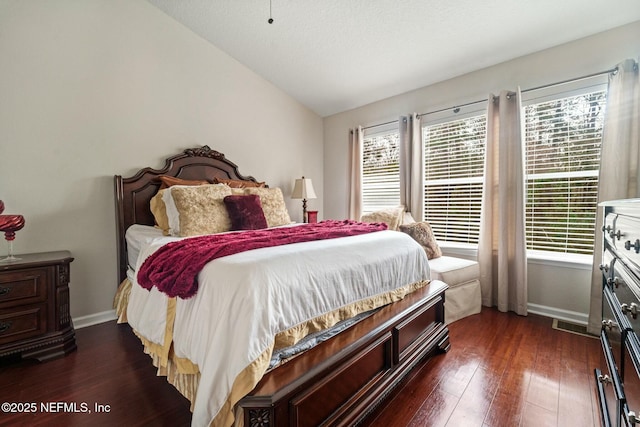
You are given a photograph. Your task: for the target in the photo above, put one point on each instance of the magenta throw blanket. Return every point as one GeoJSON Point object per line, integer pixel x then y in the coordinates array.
{"type": "Point", "coordinates": [174, 268]}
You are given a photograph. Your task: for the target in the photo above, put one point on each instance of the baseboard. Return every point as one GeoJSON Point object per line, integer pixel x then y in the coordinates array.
{"type": "Point", "coordinates": [558, 313]}
{"type": "Point", "coordinates": [94, 319]}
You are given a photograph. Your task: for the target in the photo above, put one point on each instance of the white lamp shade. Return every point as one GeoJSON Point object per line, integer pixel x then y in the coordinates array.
{"type": "Point", "coordinates": [303, 189]}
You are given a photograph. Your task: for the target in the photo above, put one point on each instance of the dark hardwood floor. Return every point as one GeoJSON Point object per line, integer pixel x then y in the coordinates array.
{"type": "Point", "coordinates": [502, 370]}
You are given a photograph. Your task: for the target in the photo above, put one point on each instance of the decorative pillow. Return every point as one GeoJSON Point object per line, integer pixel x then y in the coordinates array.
{"type": "Point", "coordinates": [422, 233]}
{"type": "Point", "coordinates": [238, 183]}
{"type": "Point", "coordinates": [392, 217]}
{"type": "Point", "coordinates": [159, 211]}
{"type": "Point", "coordinates": [157, 205]}
{"type": "Point", "coordinates": [408, 218]}
{"type": "Point", "coordinates": [273, 206]}
{"type": "Point", "coordinates": [245, 212]}
{"type": "Point", "coordinates": [169, 181]}
{"type": "Point", "coordinates": [200, 209]}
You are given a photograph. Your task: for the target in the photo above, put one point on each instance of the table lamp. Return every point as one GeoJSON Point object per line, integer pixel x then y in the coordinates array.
{"type": "Point", "coordinates": [303, 189]}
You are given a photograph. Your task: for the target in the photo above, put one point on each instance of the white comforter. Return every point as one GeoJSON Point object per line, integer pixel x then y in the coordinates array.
{"type": "Point", "coordinates": [245, 299]}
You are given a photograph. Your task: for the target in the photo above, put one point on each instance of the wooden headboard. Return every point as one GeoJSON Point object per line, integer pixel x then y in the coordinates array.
{"type": "Point", "coordinates": [133, 194]}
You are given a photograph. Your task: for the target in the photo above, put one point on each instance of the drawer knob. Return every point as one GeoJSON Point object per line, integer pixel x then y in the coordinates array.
{"type": "Point", "coordinates": [618, 234]}
{"type": "Point", "coordinates": [630, 308]}
{"type": "Point", "coordinates": [636, 245]}
{"type": "Point", "coordinates": [615, 281]}
{"type": "Point", "coordinates": [4, 326]}
{"type": "Point", "coordinates": [604, 379]}
{"type": "Point", "coordinates": [609, 324]}
{"type": "Point", "coordinates": [606, 229]}
{"type": "Point", "coordinates": [4, 291]}
{"type": "Point", "coordinates": [604, 267]}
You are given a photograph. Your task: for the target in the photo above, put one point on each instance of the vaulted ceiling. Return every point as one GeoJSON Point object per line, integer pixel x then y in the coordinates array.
{"type": "Point", "coordinates": [335, 55]}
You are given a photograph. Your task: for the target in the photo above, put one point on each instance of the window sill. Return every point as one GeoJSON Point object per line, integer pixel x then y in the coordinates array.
{"type": "Point", "coordinates": [463, 250]}
{"type": "Point", "coordinates": [580, 262]}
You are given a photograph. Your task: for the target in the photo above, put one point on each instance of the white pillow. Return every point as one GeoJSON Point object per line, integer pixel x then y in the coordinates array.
{"type": "Point", "coordinates": [172, 212]}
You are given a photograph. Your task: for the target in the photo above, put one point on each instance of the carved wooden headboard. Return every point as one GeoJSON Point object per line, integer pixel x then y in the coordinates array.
{"type": "Point", "coordinates": [133, 194]}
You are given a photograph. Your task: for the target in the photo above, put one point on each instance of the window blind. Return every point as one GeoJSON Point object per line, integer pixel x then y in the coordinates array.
{"type": "Point", "coordinates": [562, 146]}
{"type": "Point", "coordinates": [381, 171]}
{"type": "Point", "coordinates": [454, 162]}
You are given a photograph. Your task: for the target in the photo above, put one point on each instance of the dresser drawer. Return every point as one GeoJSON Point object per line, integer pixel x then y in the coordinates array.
{"type": "Point", "coordinates": [22, 322]}
{"type": "Point", "coordinates": [618, 379]}
{"type": "Point", "coordinates": [603, 402]}
{"type": "Point", "coordinates": [626, 288]}
{"type": "Point", "coordinates": [609, 386]}
{"type": "Point", "coordinates": [608, 227]}
{"type": "Point", "coordinates": [23, 286]}
{"type": "Point", "coordinates": [631, 378]}
{"type": "Point", "coordinates": [627, 241]}
{"type": "Point", "coordinates": [614, 325]}
{"type": "Point", "coordinates": [606, 265]}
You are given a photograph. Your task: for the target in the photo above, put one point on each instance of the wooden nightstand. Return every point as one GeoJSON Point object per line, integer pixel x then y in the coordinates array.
{"type": "Point", "coordinates": [35, 319]}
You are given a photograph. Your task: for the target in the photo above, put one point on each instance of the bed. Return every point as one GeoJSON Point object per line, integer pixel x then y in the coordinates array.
{"type": "Point", "coordinates": [341, 379]}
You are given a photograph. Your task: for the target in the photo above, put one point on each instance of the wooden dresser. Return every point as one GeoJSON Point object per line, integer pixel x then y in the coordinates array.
{"type": "Point", "coordinates": [35, 319]}
{"type": "Point", "coordinates": [618, 379]}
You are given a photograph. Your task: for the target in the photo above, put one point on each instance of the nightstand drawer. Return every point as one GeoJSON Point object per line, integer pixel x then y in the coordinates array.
{"type": "Point", "coordinates": [23, 286]}
{"type": "Point", "coordinates": [21, 323]}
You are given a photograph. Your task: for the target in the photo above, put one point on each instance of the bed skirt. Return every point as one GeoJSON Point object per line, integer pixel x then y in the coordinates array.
{"type": "Point", "coordinates": [181, 373]}
{"type": "Point", "coordinates": [184, 375]}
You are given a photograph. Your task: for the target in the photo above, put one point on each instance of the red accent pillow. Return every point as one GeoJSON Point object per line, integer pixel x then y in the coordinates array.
{"type": "Point", "coordinates": [245, 212]}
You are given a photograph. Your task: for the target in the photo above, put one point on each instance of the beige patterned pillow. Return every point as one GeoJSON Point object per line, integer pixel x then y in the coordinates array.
{"type": "Point", "coordinates": [275, 210]}
{"type": "Point", "coordinates": [159, 211]}
{"type": "Point", "coordinates": [392, 217]}
{"type": "Point", "coordinates": [201, 209]}
{"type": "Point", "coordinates": [422, 233]}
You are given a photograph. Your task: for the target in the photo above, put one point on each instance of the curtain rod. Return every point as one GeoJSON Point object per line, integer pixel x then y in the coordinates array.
{"type": "Point", "coordinates": [456, 108]}
{"type": "Point", "coordinates": [380, 124]}
{"type": "Point", "coordinates": [588, 76]}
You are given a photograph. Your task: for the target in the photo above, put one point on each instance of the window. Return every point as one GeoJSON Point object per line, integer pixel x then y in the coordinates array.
{"type": "Point", "coordinates": [562, 146]}
{"type": "Point", "coordinates": [454, 161]}
{"type": "Point", "coordinates": [381, 170]}
{"type": "Point", "coordinates": [562, 138]}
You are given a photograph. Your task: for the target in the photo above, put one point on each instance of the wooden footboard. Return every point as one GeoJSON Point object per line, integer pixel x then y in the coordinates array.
{"type": "Point", "coordinates": [342, 380]}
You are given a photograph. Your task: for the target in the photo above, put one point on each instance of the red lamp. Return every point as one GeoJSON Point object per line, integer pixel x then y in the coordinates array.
{"type": "Point", "coordinates": [9, 224]}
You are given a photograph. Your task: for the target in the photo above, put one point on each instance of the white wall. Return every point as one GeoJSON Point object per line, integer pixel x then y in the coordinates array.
{"type": "Point", "coordinates": [550, 287]}
{"type": "Point", "coordinates": [93, 88]}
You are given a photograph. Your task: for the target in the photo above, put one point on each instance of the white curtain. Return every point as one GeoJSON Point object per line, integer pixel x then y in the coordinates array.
{"type": "Point", "coordinates": [355, 192]}
{"type": "Point", "coordinates": [412, 165]}
{"type": "Point", "coordinates": [619, 161]}
{"type": "Point", "coordinates": [502, 247]}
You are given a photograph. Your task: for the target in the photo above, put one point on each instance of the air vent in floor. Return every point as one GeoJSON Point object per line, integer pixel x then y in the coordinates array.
{"type": "Point", "coordinates": [562, 325]}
